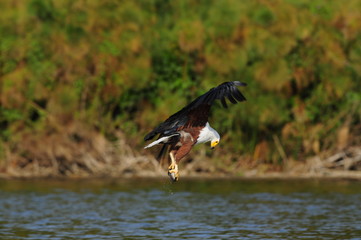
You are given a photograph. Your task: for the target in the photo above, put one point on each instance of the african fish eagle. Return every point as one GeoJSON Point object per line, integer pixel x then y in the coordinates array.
{"type": "Point", "coordinates": [190, 126]}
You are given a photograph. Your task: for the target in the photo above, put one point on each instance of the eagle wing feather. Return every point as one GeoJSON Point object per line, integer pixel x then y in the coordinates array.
{"type": "Point", "coordinates": [196, 113]}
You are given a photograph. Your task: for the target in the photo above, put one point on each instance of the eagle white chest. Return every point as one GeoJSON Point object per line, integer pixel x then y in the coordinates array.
{"type": "Point", "coordinates": [207, 134]}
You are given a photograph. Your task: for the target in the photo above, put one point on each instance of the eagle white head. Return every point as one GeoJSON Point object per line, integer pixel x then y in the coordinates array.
{"type": "Point", "coordinates": [208, 134]}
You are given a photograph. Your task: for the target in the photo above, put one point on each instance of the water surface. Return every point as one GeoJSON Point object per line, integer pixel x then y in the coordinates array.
{"type": "Point", "coordinates": [189, 209]}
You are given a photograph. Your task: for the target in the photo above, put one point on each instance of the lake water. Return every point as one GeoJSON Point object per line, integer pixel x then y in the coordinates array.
{"type": "Point", "coordinates": [189, 209]}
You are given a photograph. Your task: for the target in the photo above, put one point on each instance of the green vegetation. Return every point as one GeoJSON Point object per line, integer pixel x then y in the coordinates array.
{"type": "Point", "coordinates": [127, 65]}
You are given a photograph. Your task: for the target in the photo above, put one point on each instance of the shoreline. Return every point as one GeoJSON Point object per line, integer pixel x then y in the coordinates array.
{"type": "Point", "coordinates": [98, 159]}
{"type": "Point", "coordinates": [327, 175]}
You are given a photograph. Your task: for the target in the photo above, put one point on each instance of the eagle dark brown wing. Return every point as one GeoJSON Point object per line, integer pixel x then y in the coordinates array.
{"type": "Point", "coordinates": [196, 113]}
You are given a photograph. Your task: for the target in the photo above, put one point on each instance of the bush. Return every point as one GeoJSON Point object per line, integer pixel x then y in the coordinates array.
{"type": "Point", "coordinates": [129, 65]}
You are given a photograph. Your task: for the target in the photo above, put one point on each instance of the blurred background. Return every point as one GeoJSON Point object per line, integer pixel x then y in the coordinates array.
{"type": "Point", "coordinates": [82, 82]}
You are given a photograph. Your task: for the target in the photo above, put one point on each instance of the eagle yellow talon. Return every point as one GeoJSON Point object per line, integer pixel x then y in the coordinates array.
{"type": "Point", "coordinates": [173, 172]}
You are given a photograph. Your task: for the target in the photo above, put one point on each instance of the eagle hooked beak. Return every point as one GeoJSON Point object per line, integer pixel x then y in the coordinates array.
{"type": "Point", "coordinates": [213, 144]}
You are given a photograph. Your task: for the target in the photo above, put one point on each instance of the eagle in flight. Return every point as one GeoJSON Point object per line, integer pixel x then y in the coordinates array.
{"type": "Point", "coordinates": [190, 126]}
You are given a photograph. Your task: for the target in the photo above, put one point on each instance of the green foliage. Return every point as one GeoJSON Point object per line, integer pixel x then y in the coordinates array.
{"type": "Point", "coordinates": [130, 64]}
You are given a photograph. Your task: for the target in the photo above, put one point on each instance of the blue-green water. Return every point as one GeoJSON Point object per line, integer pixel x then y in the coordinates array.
{"type": "Point", "coordinates": [189, 209]}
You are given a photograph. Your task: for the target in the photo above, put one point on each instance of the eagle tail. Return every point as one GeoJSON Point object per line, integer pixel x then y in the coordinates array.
{"type": "Point", "coordinates": [162, 140]}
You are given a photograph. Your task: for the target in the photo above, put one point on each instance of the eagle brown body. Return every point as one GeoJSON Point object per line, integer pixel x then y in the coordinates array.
{"type": "Point", "coordinates": [181, 131]}
{"type": "Point", "coordinates": [188, 138]}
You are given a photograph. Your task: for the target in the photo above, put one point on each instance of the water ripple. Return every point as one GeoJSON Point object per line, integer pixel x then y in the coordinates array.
{"type": "Point", "coordinates": [189, 211]}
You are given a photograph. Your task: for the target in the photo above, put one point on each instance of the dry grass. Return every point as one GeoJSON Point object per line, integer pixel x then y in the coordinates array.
{"type": "Point", "coordinates": [76, 152]}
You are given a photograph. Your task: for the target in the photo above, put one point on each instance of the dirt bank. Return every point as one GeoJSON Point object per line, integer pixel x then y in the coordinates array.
{"type": "Point", "coordinates": [77, 153]}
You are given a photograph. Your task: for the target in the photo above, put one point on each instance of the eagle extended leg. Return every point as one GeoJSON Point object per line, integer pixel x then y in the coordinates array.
{"type": "Point", "coordinates": [173, 168]}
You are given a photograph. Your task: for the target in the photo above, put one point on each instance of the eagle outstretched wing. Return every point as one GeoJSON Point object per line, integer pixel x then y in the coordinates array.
{"type": "Point", "coordinates": [196, 113]}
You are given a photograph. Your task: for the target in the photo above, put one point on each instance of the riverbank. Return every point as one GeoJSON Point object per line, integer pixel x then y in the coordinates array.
{"type": "Point", "coordinates": [77, 152]}
{"type": "Point", "coordinates": [342, 165]}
